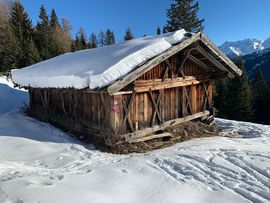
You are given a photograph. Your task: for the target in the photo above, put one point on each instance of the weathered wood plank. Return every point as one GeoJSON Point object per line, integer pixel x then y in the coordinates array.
{"type": "Point", "coordinates": [151, 137]}
{"type": "Point", "coordinates": [158, 85]}
{"type": "Point", "coordinates": [194, 98]}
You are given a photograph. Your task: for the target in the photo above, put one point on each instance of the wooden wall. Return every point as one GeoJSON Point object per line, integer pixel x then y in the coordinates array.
{"type": "Point", "coordinates": [75, 110]}
{"type": "Point", "coordinates": [190, 68]}
{"type": "Point", "coordinates": [172, 103]}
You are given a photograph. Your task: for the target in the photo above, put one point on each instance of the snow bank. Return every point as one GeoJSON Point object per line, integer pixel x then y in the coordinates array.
{"type": "Point", "coordinates": [95, 68]}
{"type": "Point", "coordinates": [40, 163]}
{"type": "Point", "coordinates": [11, 98]}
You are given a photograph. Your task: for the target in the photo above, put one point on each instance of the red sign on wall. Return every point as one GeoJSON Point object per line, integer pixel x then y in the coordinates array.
{"type": "Point", "coordinates": [115, 106]}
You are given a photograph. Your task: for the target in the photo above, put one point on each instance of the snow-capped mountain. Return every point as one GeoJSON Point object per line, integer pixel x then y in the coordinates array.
{"type": "Point", "coordinates": [244, 47]}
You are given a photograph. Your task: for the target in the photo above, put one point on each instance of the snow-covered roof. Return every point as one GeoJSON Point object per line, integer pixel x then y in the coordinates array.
{"type": "Point", "coordinates": [95, 68]}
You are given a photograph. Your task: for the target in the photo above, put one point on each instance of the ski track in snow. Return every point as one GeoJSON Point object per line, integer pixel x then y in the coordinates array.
{"type": "Point", "coordinates": [37, 159]}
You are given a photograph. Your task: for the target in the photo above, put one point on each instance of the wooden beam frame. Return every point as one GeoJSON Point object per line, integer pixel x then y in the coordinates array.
{"type": "Point", "coordinates": [165, 73]}
{"type": "Point", "coordinates": [200, 63]}
{"type": "Point", "coordinates": [220, 54]}
{"type": "Point", "coordinates": [184, 57]}
{"type": "Point", "coordinates": [170, 67]}
{"type": "Point", "coordinates": [156, 109]}
{"type": "Point", "coordinates": [113, 88]}
{"type": "Point", "coordinates": [126, 110]}
{"type": "Point", "coordinates": [212, 59]}
{"type": "Point", "coordinates": [187, 92]}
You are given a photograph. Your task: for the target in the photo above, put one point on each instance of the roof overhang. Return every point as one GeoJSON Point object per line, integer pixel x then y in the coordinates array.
{"type": "Point", "coordinates": [204, 44]}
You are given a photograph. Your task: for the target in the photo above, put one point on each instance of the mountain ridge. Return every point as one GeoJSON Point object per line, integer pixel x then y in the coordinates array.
{"type": "Point", "coordinates": [255, 53]}
{"type": "Point", "coordinates": [244, 47]}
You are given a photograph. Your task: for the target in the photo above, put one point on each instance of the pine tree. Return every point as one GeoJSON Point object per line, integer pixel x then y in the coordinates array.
{"type": "Point", "coordinates": [54, 20]}
{"type": "Point", "coordinates": [93, 41]}
{"type": "Point", "coordinates": [73, 47]}
{"type": "Point", "coordinates": [43, 34]}
{"type": "Point", "coordinates": [128, 35]}
{"type": "Point", "coordinates": [164, 30]}
{"type": "Point", "coordinates": [109, 37]}
{"type": "Point", "coordinates": [101, 39]}
{"type": "Point", "coordinates": [78, 43]}
{"type": "Point", "coordinates": [4, 16]}
{"type": "Point", "coordinates": [158, 31]}
{"type": "Point", "coordinates": [238, 104]}
{"type": "Point", "coordinates": [261, 99]}
{"type": "Point", "coordinates": [21, 27]}
{"type": "Point", "coordinates": [183, 15]}
{"type": "Point", "coordinates": [82, 38]}
{"type": "Point", "coordinates": [11, 51]}
{"type": "Point", "coordinates": [30, 56]}
{"type": "Point", "coordinates": [220, 101]}
{"type": "Point", "coordinates": [57, 46]}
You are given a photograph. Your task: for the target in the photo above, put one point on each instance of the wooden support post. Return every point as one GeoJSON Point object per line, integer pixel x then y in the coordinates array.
{"type": "Point", "coordinates": [165, 75]}
{"type": "Point", "coordinates": [184, 107]}
{"type": "Point", "coordinates": [210, 96]}
{"type": "Point", "coordinates": [115, 114]}
{"type": "Point", "coordinates": [194, 98]}
{"type": "Point", "coordinates": [170, 67]}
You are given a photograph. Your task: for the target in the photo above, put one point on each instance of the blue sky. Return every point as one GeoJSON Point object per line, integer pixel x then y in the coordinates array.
{"type": "Point", "coordinates": [224, 19]}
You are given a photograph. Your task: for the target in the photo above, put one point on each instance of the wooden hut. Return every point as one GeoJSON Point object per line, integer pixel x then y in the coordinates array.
{"type": "Point", "coordinates": [171, 87]}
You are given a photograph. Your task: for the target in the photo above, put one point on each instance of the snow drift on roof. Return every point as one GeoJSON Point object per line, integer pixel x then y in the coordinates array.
{"type": "Point", "coordinates": [95, 68]}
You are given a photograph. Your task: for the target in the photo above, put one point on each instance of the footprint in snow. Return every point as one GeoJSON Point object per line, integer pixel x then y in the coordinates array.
{"type": "Point", "coordinates": [57, 177]}
{"type": "Point", "coordinates": [47, 183]}
{"type": "Point", "coordinates": [124, 171]}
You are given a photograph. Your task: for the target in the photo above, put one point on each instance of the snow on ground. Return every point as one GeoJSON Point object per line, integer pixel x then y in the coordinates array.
{"type": "Point", "coordinates": [40, 163]}
{"type": "Point", "coordinates": [98, 67]}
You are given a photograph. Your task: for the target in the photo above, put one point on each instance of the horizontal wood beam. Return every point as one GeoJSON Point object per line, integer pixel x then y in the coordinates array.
{"type": "Point", "coordinates": [151, 137]}
{"type": "Point", "coordinates": [144, 86]}
{"type": "Point", "coordinates": [142, 133]}
{"type": "Point", "coordinates": [122, 92]}
{"type": "Point", "coordinates": [139, 85]}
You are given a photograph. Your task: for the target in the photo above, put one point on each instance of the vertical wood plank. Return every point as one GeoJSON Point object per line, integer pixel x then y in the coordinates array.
{"type": "Point", "coordinates": [193, 98]}
{"type": "Point", "coordinates": [210, 94]}
{"type": "Point", "coordinates": [145, 107]}
{"type": "Point", "coordinates": [184, 106]}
